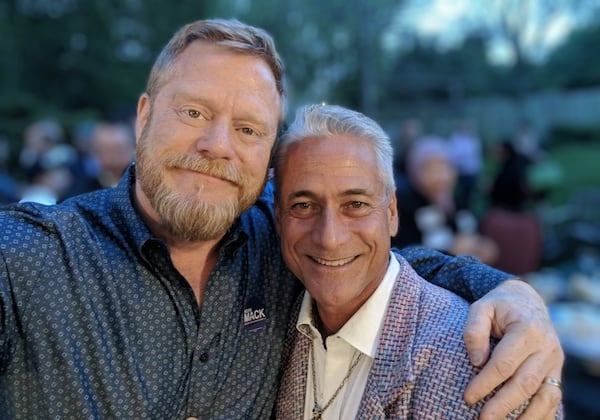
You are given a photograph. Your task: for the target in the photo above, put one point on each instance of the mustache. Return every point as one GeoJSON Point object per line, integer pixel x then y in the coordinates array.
{"type": "Point", "coordinates": [217, 169]}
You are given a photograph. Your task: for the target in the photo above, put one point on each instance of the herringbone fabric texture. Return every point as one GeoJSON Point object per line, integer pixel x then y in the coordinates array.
{"type": "Point", "coordinates": [421, 368]}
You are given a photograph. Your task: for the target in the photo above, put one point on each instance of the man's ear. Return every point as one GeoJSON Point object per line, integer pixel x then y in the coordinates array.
{"type": "Point", "coordinates": [393, 215]}
{"type": "Point", "coordinates": [143, 114]}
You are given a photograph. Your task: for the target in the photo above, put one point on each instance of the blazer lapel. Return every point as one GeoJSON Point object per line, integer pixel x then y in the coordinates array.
{"type": "Point", "coordinates": [292, 391]}
{"type": "Point", "coordinates": [392, 375]}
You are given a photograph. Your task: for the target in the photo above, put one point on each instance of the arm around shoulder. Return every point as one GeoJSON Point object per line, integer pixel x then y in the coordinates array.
{"type": "Point", "coordinates": [528, 352]}
{"type": "Point", "coordinates": [464, 275]}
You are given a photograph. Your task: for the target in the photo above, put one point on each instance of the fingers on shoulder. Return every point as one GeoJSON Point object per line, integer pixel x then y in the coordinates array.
{"type": "Point", "coordinates": [545, 404]}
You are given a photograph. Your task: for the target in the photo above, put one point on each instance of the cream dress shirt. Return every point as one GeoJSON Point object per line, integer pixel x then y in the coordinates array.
{"type": "Point", "coordinates": [359, 335]}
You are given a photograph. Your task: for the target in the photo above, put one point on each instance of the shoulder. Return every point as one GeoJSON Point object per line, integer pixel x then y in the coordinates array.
{"type": "Point", "coordinates": [435, 308]}
{"type": "Point", "coordinates": [34, 225]}
{"type": "Point", "coordinates": [24, 218]}
{"type": "Point", "coordinates": [433, 315]}
{"type": "Point", "coordinates": [424, 312]}
{"type": "Point", "coordinates": [259, 220]}
{"type": "Point", "coordinates": [438, 356]}
{"type": "Point", "coordinates": [423, 344]}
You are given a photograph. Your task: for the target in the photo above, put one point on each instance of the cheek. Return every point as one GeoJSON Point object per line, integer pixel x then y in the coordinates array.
{"type": "Point", "coordinates": [291, 257]}
{"type": "Point", "coordinates": [290, 232]}
{"type": "Point", "coordinates": [166, 132]}
{"type": "Point", "coordinates": [257, 158]}
{"type": "Point", "coordinates": [153, 139]}
{"type": "Point", "coordinates": [293, 238]}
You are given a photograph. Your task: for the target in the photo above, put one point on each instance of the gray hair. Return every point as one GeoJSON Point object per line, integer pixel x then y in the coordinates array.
{"type": "Point", "coordinates": [229, 33]}
{"type": "Point", "coordinates": [323, 122]}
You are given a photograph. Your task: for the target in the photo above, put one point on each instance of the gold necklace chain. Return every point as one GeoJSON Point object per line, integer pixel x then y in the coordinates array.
{"type": "Point", "coordinates": [317, 410]}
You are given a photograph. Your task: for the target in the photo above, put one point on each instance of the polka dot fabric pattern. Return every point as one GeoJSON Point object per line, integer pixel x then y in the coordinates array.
{"type": "Point", "coordinates": [95, 322]}
{"type": "Point", "coordinates": [463, 275]}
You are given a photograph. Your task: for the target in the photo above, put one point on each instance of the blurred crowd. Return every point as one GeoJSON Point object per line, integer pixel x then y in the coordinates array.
{"type": "Point", "coordinates": [448, 202]}
{"type": "Point", "coordinates": [54, 165]}
{"type": "Point", "coordinates": [461, 195]}
{"type": "Point", "coordinates": [438, 181]}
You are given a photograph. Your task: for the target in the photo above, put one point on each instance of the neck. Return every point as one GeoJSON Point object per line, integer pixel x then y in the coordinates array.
{"type": "Point", "coordinates": [194, 260]}
{"type": "Point", "coordinates": [329, 319]}
{"type": "Point", "coordinates": [328, 322]}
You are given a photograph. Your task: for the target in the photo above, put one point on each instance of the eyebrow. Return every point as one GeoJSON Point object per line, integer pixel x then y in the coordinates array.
{"type": "Point", "coordinates": [350, 192]}
{"type": "Point", "coordinates": [357, 191]}
{"type": "Point", "coordinates": [302, 193]}
{"type": "Point", "coordinates": [186, 96]}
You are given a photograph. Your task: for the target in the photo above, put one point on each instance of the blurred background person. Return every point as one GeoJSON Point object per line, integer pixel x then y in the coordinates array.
{"type": "Point", "coordinates": [526, 140]}
{"type": "Point", "coordinates": [427, 210]}
{"type": "Point", "coordinates": [467, 156]}
{"type": "Point", "coordinates": [46, 159]}
{"type": "Point", "coordinates": [510, 189]}
{"type": "Point", "coordinates": [86, 165]}
{"type": "Point", "coordinates": [9, 188]}
{"type": "Point", "coordinates": [508, 221]}
{"type": "Point", "coordinates": [43, 144]}
{"type": "Point", "coordinates": [111, 148]}
{"type": "Point", "coordinates": [410, 130]}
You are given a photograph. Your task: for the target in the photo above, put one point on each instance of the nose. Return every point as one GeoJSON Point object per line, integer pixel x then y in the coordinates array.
{"type": "Point", "coordinates": [216, 141]}
{"type": "Point", "coordinates": [330, 230]}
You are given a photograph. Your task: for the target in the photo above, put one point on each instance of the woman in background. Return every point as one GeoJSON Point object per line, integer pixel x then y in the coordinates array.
{"type": "Point", "coordinates": [427, 209]}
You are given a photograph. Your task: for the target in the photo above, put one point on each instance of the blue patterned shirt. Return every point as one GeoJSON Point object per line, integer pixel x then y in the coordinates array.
{"type": "Point", "coordinates": [95, 321]}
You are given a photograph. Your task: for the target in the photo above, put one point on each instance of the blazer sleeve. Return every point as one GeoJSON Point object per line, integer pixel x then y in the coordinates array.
{"type": "Point", "coordinates": [464, 275]}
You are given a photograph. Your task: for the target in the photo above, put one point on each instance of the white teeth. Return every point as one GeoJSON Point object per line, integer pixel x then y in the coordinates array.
{"type": "Point", "coordinates": [333, 263]}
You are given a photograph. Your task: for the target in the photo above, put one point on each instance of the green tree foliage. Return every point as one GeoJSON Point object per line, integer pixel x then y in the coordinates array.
{"type": "Point", "coordinates": [332, 49]}
{"type": "Point", "coordinates": [75, 58]}
{"type": "Point", "coordinates": [91, 57]}
{"type": "Point", "coordinates": [575, 64]}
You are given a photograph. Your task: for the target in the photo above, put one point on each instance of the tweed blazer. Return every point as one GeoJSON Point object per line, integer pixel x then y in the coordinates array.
{"type": "Point", "coordinates": [421, 367]}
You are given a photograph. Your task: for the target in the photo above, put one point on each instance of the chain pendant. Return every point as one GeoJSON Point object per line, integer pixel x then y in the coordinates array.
{"type": "Point", "coordinates": [317, 412]}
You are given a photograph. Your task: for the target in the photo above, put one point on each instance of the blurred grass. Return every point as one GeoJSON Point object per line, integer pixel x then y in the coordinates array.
{"type": "Point", "coordinates": [580, 165]}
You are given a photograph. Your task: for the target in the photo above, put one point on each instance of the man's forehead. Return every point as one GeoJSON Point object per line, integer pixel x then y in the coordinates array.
{"type": "Point", "coordinates": [330, 152]}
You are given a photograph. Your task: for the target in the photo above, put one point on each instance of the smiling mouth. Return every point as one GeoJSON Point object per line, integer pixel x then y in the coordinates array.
{"type": "Point", "coordinates": [211, 175]}
{"type": "Point", "coordinates": [333, 263]}
{"type": "Point", "coordinates": [218, 177]}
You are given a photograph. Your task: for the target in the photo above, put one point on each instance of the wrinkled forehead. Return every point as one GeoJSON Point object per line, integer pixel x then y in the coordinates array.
{"type": "Point", "coordinates": [332, 162]}
{"type": "Point", "coordinates": [203, 59]}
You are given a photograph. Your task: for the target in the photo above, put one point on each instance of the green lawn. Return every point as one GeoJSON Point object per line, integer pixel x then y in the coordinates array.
{"type": "Point", "coordinates": [580, 166]}
{"type": "Point", "coordinates": [577, 163]}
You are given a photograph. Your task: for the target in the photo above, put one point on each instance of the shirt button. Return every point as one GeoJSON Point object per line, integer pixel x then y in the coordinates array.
{"type": "Point", "coordinates": [204, 357]}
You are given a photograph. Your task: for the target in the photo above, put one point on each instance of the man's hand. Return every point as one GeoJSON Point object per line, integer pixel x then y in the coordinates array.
{"type": "Point", "coordinates": [528, 352]}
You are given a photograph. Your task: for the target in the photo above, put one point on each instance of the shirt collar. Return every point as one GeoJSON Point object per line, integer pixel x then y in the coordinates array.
{"type": "Point", "coordinates": [363, 329]}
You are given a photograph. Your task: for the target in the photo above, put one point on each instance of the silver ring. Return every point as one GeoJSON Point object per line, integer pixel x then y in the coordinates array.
{"type": "Point", "coordinates": [552, 381]}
